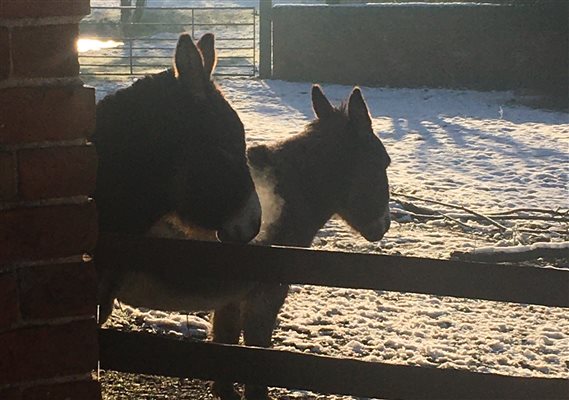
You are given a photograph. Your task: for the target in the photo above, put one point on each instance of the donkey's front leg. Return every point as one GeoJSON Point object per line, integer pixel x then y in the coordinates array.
{"type": "Point", "coordinates": [108, 284]}
{"type": "Point", "coordinates": [226, 329]}
{"type": "Point", "coordinates": [259, 314]}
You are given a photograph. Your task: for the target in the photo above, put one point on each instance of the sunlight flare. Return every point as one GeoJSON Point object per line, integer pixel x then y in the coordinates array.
{"type": "Point", "coordinates": [85, 44]}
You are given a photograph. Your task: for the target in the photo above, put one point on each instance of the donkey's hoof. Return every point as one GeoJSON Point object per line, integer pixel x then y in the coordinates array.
{"type": "Point", "coordinates": [224, 391]}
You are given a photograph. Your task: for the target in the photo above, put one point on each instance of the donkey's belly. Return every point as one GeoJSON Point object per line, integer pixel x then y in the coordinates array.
{"type": "Point", "coordinates": [140, 289]}
{"type": "Point", "coordinates": [166, 291]}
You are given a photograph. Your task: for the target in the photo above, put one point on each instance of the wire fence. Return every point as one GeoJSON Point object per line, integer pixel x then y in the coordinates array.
{"type": "Point", "coordinates": [111, 46]}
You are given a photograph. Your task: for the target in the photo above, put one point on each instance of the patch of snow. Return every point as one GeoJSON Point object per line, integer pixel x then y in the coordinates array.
{"type": "Point", "coordinates": [522, 249]}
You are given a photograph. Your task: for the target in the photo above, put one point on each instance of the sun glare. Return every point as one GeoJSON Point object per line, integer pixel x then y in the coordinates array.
{"type": "Point", "coordinates": [85, 45]}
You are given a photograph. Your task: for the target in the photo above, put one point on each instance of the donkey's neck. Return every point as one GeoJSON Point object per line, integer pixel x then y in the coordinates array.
{"type": "Point", "coordinates": [290, 221]}
{"type": "Point", "coordinates": [307, 177]}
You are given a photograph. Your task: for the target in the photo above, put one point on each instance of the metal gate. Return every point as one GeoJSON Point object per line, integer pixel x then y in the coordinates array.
{"type": "Point", "coordinates": [109, 45]}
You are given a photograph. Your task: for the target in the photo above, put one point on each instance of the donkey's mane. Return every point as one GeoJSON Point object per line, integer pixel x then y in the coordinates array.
{"type": "Point", "coordinates": [134, 110]}
{"type": "Point", "coordinates": [341, 111]}
{"type": "Point", "coordinates": [343, 108]}
{"type": "Point", "coordinates": [148, 91]}
{"type": "Point", "coordinates": [131, 106]}
{"type": "Point", "coordinates": [133, 121]}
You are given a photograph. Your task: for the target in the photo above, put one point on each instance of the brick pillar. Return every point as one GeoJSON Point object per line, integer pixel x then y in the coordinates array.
{"type": "Point", "coordinates": [48, 333]}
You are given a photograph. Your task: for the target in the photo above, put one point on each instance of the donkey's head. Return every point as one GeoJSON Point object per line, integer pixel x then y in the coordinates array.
{"type": "Point", "coordinates": [364, 203]}
{"type": "Point", "coordinates": [211, 185]}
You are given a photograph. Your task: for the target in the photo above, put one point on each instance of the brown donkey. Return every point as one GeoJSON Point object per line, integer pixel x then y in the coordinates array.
{"type": "Point", "coordinates": [172, 148]}
{"type": "Point", "coordinates": [336, 166]}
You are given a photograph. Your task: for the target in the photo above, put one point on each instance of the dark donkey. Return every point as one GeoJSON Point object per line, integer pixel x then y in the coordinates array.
{"type": "Point", "coordinates": [336, 166]}
{"type": "Point", "coordinates": [171, 148]}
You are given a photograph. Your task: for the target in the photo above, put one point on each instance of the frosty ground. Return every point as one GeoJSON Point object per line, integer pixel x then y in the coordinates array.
{"type": "Point", "coordinates": [485, 151]}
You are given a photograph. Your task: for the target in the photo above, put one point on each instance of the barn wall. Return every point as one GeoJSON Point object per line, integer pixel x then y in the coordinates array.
{"type": "Point", "coordinates": [454, 46]}
{"type": "Point", "coordinates": [48, 336]}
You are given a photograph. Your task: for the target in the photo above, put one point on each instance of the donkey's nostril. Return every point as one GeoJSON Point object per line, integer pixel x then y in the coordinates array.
{"type": "Point", "coordinates": [234, 234]}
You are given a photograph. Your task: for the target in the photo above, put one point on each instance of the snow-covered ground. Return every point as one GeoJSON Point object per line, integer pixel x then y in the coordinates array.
{"type": "Point", "coordinates": [484, 151]}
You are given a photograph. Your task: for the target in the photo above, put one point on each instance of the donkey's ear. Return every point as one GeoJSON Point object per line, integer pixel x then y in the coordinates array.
{"type": "Point", "coordinates": [207, 46]}
{"type": "Point", "coordinates": [320, 104]}
{"type": "Point", "coordinates": [357, 109]}
{"type": "Point", "coordinates": [188, 63]}
{"type": "Point", "coordinates": [259, 156]}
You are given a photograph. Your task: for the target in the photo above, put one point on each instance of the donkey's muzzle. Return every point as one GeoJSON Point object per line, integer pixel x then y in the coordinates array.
{"type": "Point", "coordinates": [376, 230]}
{"type": "Point", "coordinates": [244, 226]}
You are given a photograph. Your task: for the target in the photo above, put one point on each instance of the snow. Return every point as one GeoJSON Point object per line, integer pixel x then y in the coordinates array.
{"type": "Point", "coordinates": [522, 249]}
{"type": "Point", "coordinates": [483, 150]}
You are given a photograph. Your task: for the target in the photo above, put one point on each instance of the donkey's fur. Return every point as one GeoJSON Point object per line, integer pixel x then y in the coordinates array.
{"type": "Point", "coordinates": [171, 147]}
{"type": "Point", "coordinates": [336, 166]}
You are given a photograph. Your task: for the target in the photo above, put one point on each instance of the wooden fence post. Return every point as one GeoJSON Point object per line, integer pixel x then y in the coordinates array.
{"type": "Point", "coordinates": [265, 38]}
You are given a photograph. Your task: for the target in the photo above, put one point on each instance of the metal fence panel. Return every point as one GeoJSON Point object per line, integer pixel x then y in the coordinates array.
{"type": "Point", "coordinates": [147, 46]}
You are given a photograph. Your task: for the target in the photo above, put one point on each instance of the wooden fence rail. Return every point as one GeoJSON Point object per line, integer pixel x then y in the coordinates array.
{"type": "Point", "coordinates": [150, 354]}
{"type": "Point", "coordinates": [187, 259]}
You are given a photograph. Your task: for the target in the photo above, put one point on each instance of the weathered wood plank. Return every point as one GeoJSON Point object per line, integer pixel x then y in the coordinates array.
{"type": "Point", "coordinates": [150, 354]}
{"type": "Point", "coordinates": [184, 259]}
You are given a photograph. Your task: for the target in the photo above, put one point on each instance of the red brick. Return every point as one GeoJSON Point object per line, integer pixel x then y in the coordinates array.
{"type": "Point", "coordinates": [45, 51]}
{"type": "Point", "coordinates": [47, 232]}
{"type": "Point", "coordinates": [48, 351]}
{"type": "Point", "coordinates": [56, 172]}
{"type": "Point", "coordinates": [41, 114]}
{"type": "Point", "coordinates": [7, 176]}
{"type": "Point", "coordinates": [11, 394]}
{"type": "Point", "coordinates": [8, 300]}
{"type": "Point", "coordinates": [53, 291]}
{"type": "Point", "coordinates": [43, 8]}
{"type": "Point", "coordinates": [83, 390]}
{"type": "Point", "coordinates": [4, 53]}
